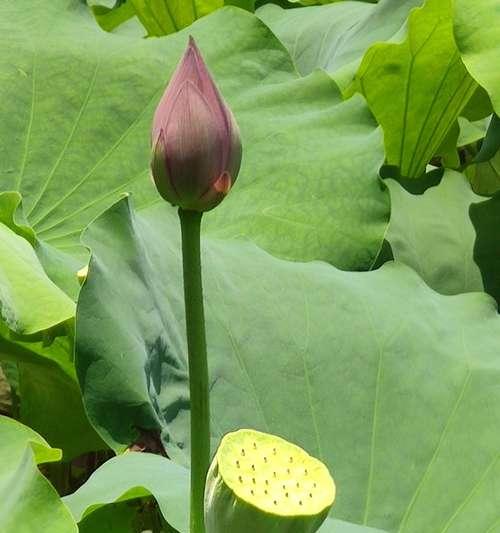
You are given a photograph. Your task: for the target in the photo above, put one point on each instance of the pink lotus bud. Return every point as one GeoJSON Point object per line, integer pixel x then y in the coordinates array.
{"type": "Point", "coordinates": [195, 138]}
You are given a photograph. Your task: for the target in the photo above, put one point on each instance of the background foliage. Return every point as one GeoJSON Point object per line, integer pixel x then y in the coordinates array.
{"type": "Point", "coordinates": [370, 135]}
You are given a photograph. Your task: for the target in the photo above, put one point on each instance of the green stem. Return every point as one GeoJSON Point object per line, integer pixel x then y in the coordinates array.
{"type": "Point", "coordinates": [198, 366]}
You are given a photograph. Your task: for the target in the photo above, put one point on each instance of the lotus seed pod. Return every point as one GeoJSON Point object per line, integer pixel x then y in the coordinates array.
{"type": "Point", "coordinates": [260, 483]}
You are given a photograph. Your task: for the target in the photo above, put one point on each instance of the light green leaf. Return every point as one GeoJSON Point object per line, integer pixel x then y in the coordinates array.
{"type": "Point", "coordinates": [479, 105]}
{"type": "Point", "coordinates": [111, 18]}
{"type": "Point", "coordinates": [417, 88]}
{"type": "Point", "coordinates": [36, 310]}
{"type": "Point", "coordinates": [471, 132]}
{"type": "Point", "coordinates": [249, 5]}
{"type": "Point", "coordinates": [306, 153]}
{"type": "Point", "coordinates": [158, 17]}
{"type": "Point", "coordinates": [315, 2]}
{"type": "Point", "coordinates": [447, 153]}
{"type": "Point", "coordinates": [30, 302]}
{"type": "Point", "coordinates": [15, 437]}
{"type": "Point", "coordinates": [336, 37]}
{"type": "Point", "coordinates": [28, 502]}
{"type": "Point", "coordinates": [161, 17]}
{"type": "Point", "coordinates": [478, 39]}
{"type": "Point", "coordinates": [433, 234]}
{"type": "Point", "coordinates": [314, 354]}
{"type": "Point", "coordinates": [134, 475]}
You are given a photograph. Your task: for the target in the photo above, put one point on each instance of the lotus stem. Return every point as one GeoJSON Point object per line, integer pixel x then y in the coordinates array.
{"type": "Point", "coordinates": [198, 365]}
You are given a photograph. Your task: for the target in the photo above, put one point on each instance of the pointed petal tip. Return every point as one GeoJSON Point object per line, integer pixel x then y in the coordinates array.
{"type": "Point", "coordinates": [223, 183]}
{"type": "Point", "coordinates": [192, 44]}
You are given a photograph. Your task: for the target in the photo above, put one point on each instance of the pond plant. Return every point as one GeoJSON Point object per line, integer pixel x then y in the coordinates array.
{"type": "Point", "coordinates": [249, 266]}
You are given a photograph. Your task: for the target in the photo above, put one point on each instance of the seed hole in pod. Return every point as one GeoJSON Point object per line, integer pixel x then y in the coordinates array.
{"type": "Point", "coordinates": [252, 492]}
{"type": "Point", "coordinates": [305, 472]}
{"type": "Point", "coordinates": [237, 464]}
{"type": "Point", "coordinates": [286, 494]}
{"type": "Point", "coordinates": [240, 479]}
{"type": "Point", "coordinates": [291, 459]}
{"type": "Point", "coordinates": [275, 502]}
{"type": "Point", "coordinates": [310, 495]}
{"type": "Point", "coordinates": [274, 474]}
{"type": "Point", "coordinates": [314, 485]}
{"type": "Point", "coordinates": [300, 502]}
{"type": "Point", "coordinates": [265, 459]}
{"type": "Point", "coordinates": [253, 468]}
{"type": "Point", "coordinates": [265, 491]}
{"type": "Point", "coordinates": [284, 487]}
{"type": "Point", "coordinates": [253, 480]}
{"type": "Point", "coordinates": [254, 446]}
{"type": "Point", "coordinates": [243, 452]}
{"type": "Point", "coordinates": [274, 451]}
{"type": "Point", "coordinates": [298, 484]}
{"type": "Point", "coordinates": [267, 482]}
{"type": "Point", "coordinates": [287, 470]}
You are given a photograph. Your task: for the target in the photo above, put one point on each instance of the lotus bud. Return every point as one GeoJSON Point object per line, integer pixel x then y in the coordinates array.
{"type": "Point", "coordinates": [195, 139]}
{"type": "Point", "coordinates": [260, 483]}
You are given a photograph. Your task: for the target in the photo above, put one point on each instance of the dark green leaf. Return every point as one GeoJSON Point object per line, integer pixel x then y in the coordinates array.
{"type": "Point", "coordinates": [486, 219]}
{"type": "Point", "coordinates": [491, 144]}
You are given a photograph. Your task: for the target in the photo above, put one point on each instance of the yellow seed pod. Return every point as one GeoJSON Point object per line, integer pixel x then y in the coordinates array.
{"type": "Point", "coordinates": [260, 483]}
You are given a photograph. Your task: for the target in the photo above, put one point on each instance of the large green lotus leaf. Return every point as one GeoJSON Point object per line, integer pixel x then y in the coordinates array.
{"type": "Point", "coordinates": [30, 302]}
{"type": "Point", "coordinates": [486, 219]}
{"type": "Point", "coordinates": [336, 37]}
{"type": "Point", "coordinates": [339, 526]}
{"type": "Point", "coordinates": [432, 233]}
{"type": "Point", "coordinates": [375, 373]}
{"type": "Point", "coordinates": [478, 39]}
{"type": "Point", "coordinates": [306, 153]}
{"type": "Point", "coordinates": [28, 502]}
{"type": "Point", "coordinates": [417, 88]}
